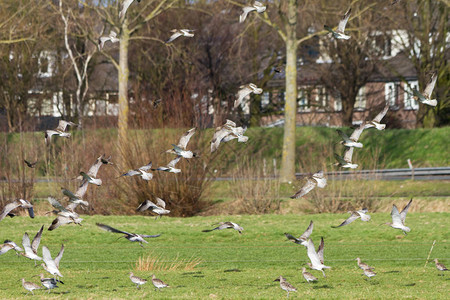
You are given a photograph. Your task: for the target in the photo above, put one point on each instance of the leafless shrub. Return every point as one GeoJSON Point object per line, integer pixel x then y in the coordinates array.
{"type": "Point", "coordinates": [354, 192]}
{"type": "Point", "coordinates": [256, 190]}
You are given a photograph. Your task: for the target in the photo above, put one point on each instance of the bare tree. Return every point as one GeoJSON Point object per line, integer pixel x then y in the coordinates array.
{"type": "Point", "coordinates": [127, 26]}
{"type": "Point", "coordinates": [80, 57]}
{"type": "Point", "coordinates": [425, 41]}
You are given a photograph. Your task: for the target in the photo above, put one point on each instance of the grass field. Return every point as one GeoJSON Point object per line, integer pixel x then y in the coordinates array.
{"type": "Point", "coordinates": [232, 266]}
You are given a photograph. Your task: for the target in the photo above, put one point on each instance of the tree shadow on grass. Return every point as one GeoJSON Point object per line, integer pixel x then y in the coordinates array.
{"type": "Point", "coordinates": [191, 273]}
{"type": "Point", "coordinates": [389, 272]}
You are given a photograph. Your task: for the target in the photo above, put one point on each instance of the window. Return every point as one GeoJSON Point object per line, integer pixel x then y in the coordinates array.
{"type": "Point", "coordinates": [303, 100]}
{"type": "Point", "coordinates": [409, 101]}
{"type": "Point", "coordinates": [391, 94]}
{"type": "Point", "coordinates": [360, 101]}
{"type": "Point", "coordinates": [337, 102]}
{"type": "Point", "coordinates": [322, 97]}
{"type": "Point", "coordinates": [265, 99]}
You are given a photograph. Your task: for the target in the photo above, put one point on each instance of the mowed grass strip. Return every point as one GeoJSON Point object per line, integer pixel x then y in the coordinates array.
{"type": "Point", "coordinates": [96, 263]}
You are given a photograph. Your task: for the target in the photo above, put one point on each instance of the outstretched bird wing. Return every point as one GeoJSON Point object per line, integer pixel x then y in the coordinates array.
{"type": "Point", "coordinates": [184, 140]}
{"type": "Point", "coordinates": [352, 218]}
{"type": "Point", "coordinates": [405, 211]}
{"type": "Point", "coordinates": [381, 115]}
{"type": "Point", "coordinates": [309, 186]}
{"type": "Point", "coordinates": [307, 232]}
{"type": "Point", "coordinates": [111, 229]}
{"type": "Point", "coordinates": [343, 21]}
{"type": "Point", "coordinates": [430, 85]}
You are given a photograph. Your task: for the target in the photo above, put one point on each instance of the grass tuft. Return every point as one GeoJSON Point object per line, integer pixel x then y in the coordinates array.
{"type": "Point", "coordinates": [157, 263]}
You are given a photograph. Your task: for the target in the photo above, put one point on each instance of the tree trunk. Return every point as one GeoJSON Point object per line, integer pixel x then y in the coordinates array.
{"type": "Point", "coordinates": [123, 84]}
{"type": "Point", "coordinates": [287, 172]}
{"type": "Point", "coordinates": [347, 112]}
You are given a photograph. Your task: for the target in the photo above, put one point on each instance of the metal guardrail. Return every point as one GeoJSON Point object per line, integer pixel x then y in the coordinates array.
{"type": "Point", "coordinates": [437, 173]}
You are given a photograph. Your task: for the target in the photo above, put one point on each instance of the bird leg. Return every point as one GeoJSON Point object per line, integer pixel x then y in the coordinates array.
{"type": "Point", "coordinates": [323, 273]}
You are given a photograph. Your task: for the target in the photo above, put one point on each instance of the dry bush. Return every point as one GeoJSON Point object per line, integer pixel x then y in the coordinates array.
{"type": "Point", "coordinates": [255, 188]}
{"type": "Point", "coordinates": [184, 193]}
{"type": "Point", "coordinates": [351, 193]}
{"type": "Point", "coordinates": [17, 178]}
{"type": "Point", "coordinates": [157, 263]}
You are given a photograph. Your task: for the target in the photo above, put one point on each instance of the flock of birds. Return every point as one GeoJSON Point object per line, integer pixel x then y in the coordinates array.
{"type": "Point", "coordinates": [225, 133]}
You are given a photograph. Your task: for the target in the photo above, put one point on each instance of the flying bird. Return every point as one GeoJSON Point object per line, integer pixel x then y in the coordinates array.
{"type": "Point", "coordinates": [9, 245]}
{"type": "Point", "coordinates": [31, 248]}
{"type": "Point", "coordinates": [376, 121]}
{"type": "Point", "coordinates": [317, 179]}
{"type": "Point", "coordinates": [227, 132]}
{"type": "Point", "coordinates": [398, 219]}
{"type": "Point", "coordinates": [226, 225]}
{"type": "Point", "coordinates": [60, 130]}
{"type": "Point", "coordinates": [132, 237]}
{"type": "Point", "coordinates": [180, 149]}
{"type": "Point", "coordinates": [141, 171]}
{"type": "Point", "coordinates": [346, 160]}
{"type": "Point", "coordinates": [112, 37]}
{"type": "Point", "coordinates": [15, 204]}
{"type": "Point", "coordinates": [90, 179]}
{"type": "Point", "coordinates": [30, 164]}
{"type": "Point", "coordinates": [180, 32]}
{"type": "Point", "coordinates": [303, 239]}
{"type": "Point", "coordinates": [125, 5]}
{"type": "Point", "coordinates": [352, 141]}
{"type": "Point", "coordinates": [316, 258]}
{"type": "Point", "coordinates": [425, 96]}
{"type": "Point", "coordinates": [355, 215]}
{"type": "Point", "coordinates": [52, 265]}
{"type": "Point", "coordinates": [257, 6]}
{"type": "Point", "coordinates": [244, 91]}
{"type": "Point", "coordinates": [286, 286]}
{"type": "Point", "coordinates": [76, 198]}
{"type": "Point", "coordinates": [65, 214]}
{"type": "Point", "coordinates": [159, 208]}
{"type": "Point", "coordinates": [339, 33]}
{"type": "Point", "coordinates": [170, 166]}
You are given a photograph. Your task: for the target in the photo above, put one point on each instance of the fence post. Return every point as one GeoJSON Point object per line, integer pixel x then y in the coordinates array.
{"type": "Point", "coordinates": [412, 169]}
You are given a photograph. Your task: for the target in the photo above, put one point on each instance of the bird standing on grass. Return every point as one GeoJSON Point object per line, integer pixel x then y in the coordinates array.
{"type": "Point", "coordinates": [30, 286]}
{"type": "Point", "coordinates": [308, 276]}
{"type": "Point", "coordinates": [440, 266]}
{"type": "Point", "coordinates": [369, 273]}
{"type": "Point", "coordinates": [158, 283]}
{"type": "Point", "coordinates": [137, 280]}
{"type": "Point", "coordinates": [363, 266]}
{"type": "Point", "coordinates": [286, 286]}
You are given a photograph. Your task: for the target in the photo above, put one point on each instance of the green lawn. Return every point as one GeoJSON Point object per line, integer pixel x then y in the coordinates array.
{"type": "Point", "coordinates": [96, 265]}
